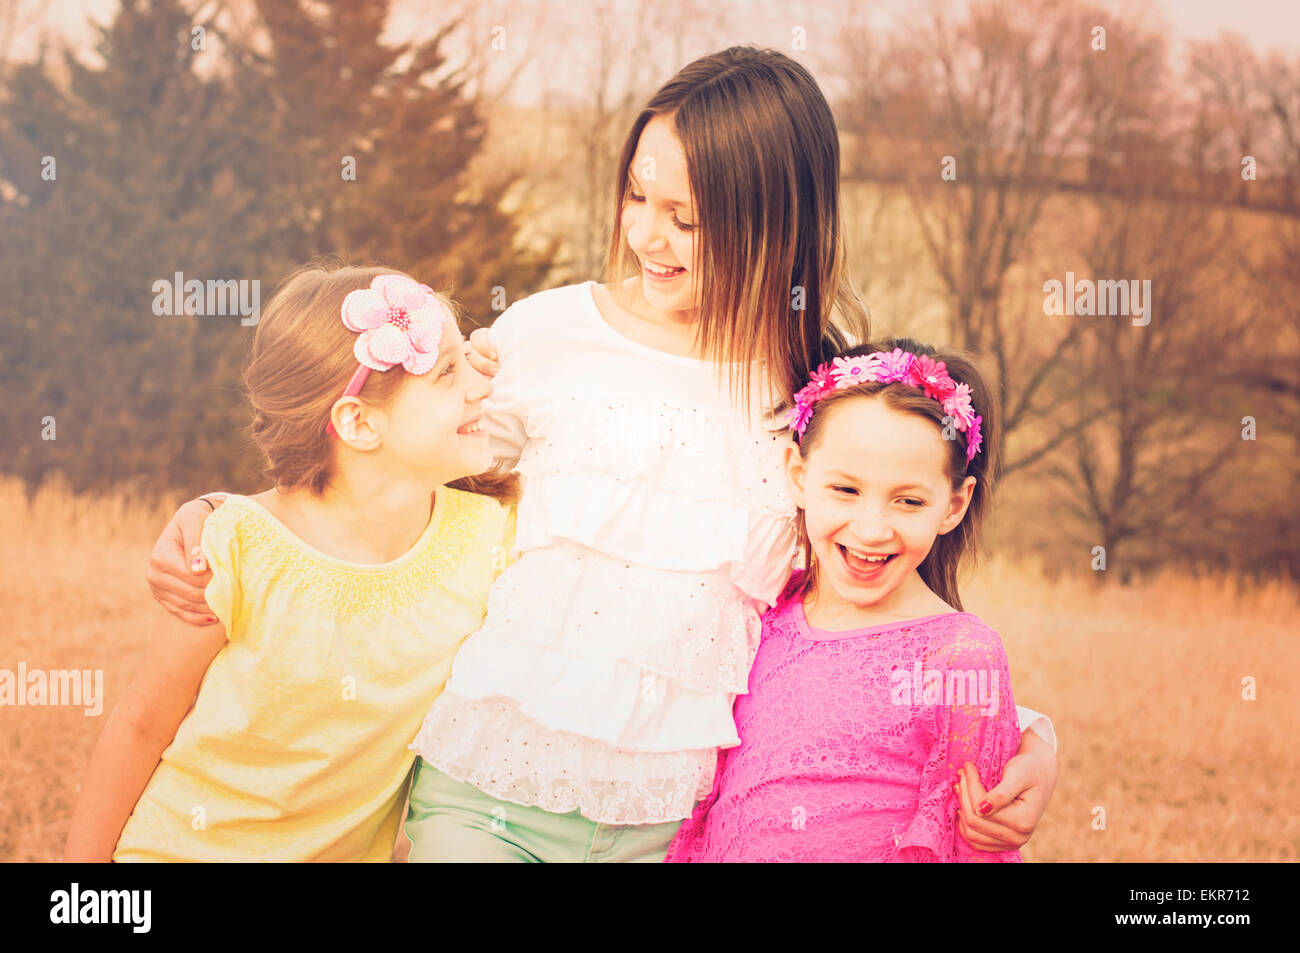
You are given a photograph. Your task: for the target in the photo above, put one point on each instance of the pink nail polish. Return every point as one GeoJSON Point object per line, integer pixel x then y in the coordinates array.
{"type": "Point", "coordinates": [196, 564]}
{"type": "Point", "coordinates": [212, 618]}
{"type": "Point", "coordinates": [984, 808]}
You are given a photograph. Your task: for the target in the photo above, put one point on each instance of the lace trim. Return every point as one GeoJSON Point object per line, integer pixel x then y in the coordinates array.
{"type": "Point", "coordinates": [493, 746]}
{"type": "Point", "coordinates": [843, 760]}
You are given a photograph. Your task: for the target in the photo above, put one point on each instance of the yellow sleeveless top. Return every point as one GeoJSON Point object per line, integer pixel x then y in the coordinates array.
{"type": "Point", "coordinates": [296, 746]}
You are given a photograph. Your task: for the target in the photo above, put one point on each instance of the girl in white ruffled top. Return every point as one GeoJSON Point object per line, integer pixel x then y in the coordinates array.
{"type": "Point", "coordinates": [655, 527]}
{"type": "Point", "coordinates": [652, 527]}
{"type": "Point", "coordinates": [583, 721]}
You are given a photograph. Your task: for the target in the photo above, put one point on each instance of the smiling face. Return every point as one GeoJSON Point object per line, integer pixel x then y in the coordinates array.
{"type": "Point", "coordinates": [658, 219]}
{"type": "Point", "coordinates": [436, 420]}
{"type": "Point", "coordinates": [432, 430]}
{"type": "Point", "coordinates": [875, 495]}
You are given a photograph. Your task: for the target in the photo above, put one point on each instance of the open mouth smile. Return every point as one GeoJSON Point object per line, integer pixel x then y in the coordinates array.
{"type": "Point", "coordinates": [864, 566]}
{"type": "Point", "coordinates": [471, 429]}
{"type": "Point", "coordinates": [660, 272]}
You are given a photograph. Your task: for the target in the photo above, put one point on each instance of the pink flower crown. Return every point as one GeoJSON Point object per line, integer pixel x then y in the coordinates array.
{"type": "Point", "coordinates": [890, 367]}
{"type": "Point", "coordinates": [400, 322]}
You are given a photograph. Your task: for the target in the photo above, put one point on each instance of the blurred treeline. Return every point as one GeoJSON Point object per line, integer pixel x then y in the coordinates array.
{"type": "Point", "coordinates": [1081, 143]}
{"type": "Point", "coordinates": [222, 154]}
{"type": "Point", "coordinates": [989, 146]}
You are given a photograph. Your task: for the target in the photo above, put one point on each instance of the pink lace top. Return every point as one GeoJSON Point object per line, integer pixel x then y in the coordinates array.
{"type": "Point", "coordinates": [850, 742]}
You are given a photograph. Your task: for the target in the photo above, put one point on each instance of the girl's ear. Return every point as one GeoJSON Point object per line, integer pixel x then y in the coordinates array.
{"type": "Point", "coordinates": [354, 424]}
{"type": "Point", "coordinates": [958, 503]}
{"type": "Point", "coordinates": [795, 472]}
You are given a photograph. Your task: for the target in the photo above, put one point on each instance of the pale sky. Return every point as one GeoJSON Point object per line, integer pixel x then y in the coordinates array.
{"type": "Point", "coordinates": [1266, 24]}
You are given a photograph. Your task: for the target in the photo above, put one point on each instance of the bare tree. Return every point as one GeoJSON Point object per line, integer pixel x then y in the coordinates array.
{"type": "Point", "coordinates": [974, 106]}
{"type": "Point", "coordinates": [497, 41]}
{"type": "Point", "coordinates": [1281, 80]}
{"type": "Point", "coordinates": [17, 17]}
{"type": "Point", "coordinates": [988, 117]}
{"type": "Point", "coordinates": [1141, 474]}
{"type": "Point", "coordinates": [620, 76]}
{"type": "Point", "coordinates": [1226, 80]}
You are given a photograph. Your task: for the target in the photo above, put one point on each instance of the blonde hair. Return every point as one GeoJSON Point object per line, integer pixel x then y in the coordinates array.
{"type": "Point", "coordinates": [763, 159]}
{"type": "Point", "coordinates": [302, 360]}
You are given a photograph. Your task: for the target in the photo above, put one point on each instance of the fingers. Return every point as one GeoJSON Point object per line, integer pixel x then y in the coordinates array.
{"type": "Point", "coordinates": [481, 338]}
{"type": "Point", "coordinates": [975, 830]}
{"type": "Point", "coordinates": [480, 353]}
{"type": "Point", "coordinates": [169, 571]}
{"type": "Point", "coordinates": [178, 552]}
{"type": "Point", "coordinates": [179, 597]}
{"type": "Point", "coordinates": [1002, 794]}
{"type": "Point", "coordinates": [177, 574]}
{"type": "Point", "coordinates": [189, 523]}
{"type": "Point", "coordinates": [178, 592]}
{"type": "Point", "coordinates": [1012, 816]}
{"type": "Point", "coordinates": [987, 833]}
{"type": "Point", "coordinates": [1017, 801]}
{"type": "Point", "coordinates": [1002, 823]}
{"type": "Point", "coordinates": [974, 786]}
{"type": "Point", "coordinates": [201, 616]}
{"type": "Point", "coordinates": [995, 834]}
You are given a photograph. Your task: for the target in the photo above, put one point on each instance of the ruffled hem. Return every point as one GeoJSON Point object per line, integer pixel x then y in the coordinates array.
{"type": "Point", "coordinates": [693, 628]}
{"type": "Point", "coordinates": [608, 700]}
{"type": "Point", "coordinates": [653, 526]}
{"type": "Point", "coordinates": [494, 746]}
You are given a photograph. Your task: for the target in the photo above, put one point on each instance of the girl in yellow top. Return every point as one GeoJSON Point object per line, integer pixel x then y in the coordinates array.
{"type": "Point", "coordinates": [342, 594]}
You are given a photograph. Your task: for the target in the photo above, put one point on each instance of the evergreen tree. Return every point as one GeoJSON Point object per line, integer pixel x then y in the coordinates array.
{"type": "Point", "coordinates": [218, 166]}
{"type": "Point", "coordinates": [143, 150]}
{"type": "Point", "coordinates": [383, 139]}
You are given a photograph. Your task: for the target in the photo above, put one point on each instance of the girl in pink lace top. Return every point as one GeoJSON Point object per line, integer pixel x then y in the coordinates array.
{"type": "Point", "coordinates": [871, 688]}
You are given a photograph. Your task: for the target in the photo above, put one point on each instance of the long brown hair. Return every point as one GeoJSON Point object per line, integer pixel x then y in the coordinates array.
{"type": "Point", "coordinates": [763, 158]}
{"type": "Point", "coordinates": [302, 360]}
{"type": "Point", "coordinates": [940, 567]}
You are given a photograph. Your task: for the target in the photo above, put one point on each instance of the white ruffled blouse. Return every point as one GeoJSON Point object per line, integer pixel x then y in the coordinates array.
{"type": "Point", "coordinates": [653, 531]}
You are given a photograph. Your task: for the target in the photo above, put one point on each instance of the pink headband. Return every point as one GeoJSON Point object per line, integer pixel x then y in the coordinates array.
{"type": "Point", "coordinates": [400, 321]}
{"type": "Point", "coordinates": [889, 367]}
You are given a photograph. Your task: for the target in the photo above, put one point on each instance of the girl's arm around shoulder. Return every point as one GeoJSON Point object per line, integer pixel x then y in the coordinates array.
{"type": "Point", "coordinates": [523, 326]}
{"type": "Point", "coordinates": [140, 728]}
{"type": "Point", "coordinates": [513, 342]}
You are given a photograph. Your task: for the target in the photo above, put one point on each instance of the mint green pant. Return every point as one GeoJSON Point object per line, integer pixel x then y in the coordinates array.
{"type": "Point", "coordinates": [452, 821]}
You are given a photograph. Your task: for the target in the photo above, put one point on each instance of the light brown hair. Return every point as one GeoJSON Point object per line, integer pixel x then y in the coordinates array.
{"type": "Point", "coordinates": [301, 362]}
{"type": "Point", "coordinates": [940, 567]}
{"type": "Point", "coordinates": [763, 159]}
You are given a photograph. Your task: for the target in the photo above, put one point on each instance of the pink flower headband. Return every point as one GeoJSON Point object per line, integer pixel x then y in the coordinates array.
{"type": "Point", "coordinates": [889, 367]}
{"type": "Point", "coordinates": [400, 321]}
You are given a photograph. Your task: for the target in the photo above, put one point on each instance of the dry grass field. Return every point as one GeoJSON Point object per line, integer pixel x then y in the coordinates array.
{"type": "Point", "coordinates": [1144, 685]}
